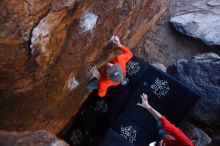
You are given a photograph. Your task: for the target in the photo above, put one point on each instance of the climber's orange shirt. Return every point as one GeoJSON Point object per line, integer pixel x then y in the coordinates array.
{"type": "Point", "coordinates": [122, 59]}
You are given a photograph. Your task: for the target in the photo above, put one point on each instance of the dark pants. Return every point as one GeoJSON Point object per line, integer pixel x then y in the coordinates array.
{"type": "Point", "coordinates": [93, 84]}
{"type": "Point", "coordinates": [161, 131]}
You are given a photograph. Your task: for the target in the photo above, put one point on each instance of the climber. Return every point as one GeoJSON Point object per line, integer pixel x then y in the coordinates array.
{"type": "Point", "coordinates": [168, 133]}
{"type": "Point", "coordinates": [115, 70]}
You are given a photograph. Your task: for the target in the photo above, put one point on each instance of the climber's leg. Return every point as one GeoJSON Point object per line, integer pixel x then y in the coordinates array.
{"type": "Point", "coordinates": [93, 84]}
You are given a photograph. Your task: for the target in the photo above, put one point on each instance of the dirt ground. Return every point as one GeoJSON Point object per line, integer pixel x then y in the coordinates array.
{"type": "Point", "coordinates": [162, 44]}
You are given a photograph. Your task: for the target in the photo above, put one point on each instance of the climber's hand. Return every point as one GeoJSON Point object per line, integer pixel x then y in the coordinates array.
{"type": "Point", "coordinates": [115, 40]}
{"type": "Point", "coordinates": [96, 73]}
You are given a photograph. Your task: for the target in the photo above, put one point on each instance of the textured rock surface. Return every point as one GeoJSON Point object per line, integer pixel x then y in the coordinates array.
{"type": "Point", "coordinates": [38, 138]}
{"type": "Point", "coordinates": [160, 66]}
{"type": "Point", "coordinates": [202, 74]}
{"type": "Point", "coordinates": [214, 2]}
{"type": "Point", "coordinates": [201, 23]}
{"type": "Point", "coordinates": [197, 135]}
{"type": "Point", "coordinates": [46, 47]}
{"type": "Point", "coordinates": [165, 45]}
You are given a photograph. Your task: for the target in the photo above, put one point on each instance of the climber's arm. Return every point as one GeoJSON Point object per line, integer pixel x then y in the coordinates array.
{"type": "Point", "coordinates": [127, 54]}
{"type": "Point", "coordinates": [102, 89]}
{"type": "Point", "coordinates": [103, 84]}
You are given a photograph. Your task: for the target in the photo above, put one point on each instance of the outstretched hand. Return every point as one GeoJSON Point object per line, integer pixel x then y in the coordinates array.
{"type": "Point", "coordinates": [145, 103]}
{"type": "Point", "coordinates": [115, 40]}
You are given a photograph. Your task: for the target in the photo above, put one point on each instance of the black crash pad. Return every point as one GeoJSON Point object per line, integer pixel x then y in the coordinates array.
{"type": "Point", "coordinates": [114, 139]}
{"type": "Point", "coordinates": [133, 132]}
{"type": "Point", "coordinates": [106, 121]}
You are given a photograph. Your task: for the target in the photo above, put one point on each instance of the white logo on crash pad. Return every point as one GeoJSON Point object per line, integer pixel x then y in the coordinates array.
{"type": "Point", "coordinates": [76, 137]}
{"type": "Point", "coordinates": [101, 106]}
{"type": "Point", "coordinates": [132, 67]}
{"type": "Point", "coordinates": [129, 133]}
{"type": "Point", "coordinates": [160, 87]}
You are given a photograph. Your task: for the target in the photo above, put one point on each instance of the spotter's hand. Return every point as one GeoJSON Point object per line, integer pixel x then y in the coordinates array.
{"type": "Point", "coordinates": [145, 103]}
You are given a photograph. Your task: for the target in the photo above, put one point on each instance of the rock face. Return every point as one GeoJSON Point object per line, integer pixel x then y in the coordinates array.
{"type": "Point", "coordinates": [202, 74]}
{"type": "Point", "coordinates": [38, 138]}
{"type": "Point", "coordinates": [160, 66]}
{"type": "Point", "coordinates": [214, 2]}
{"type": "Point", "coordinates": [201, 23]}
{"type": "Point", "coordinates": [47, 47]}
